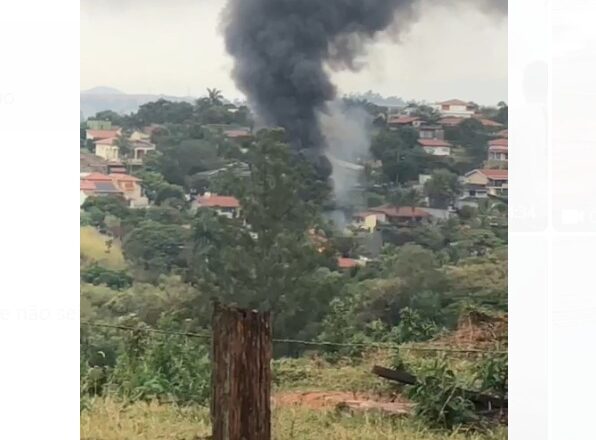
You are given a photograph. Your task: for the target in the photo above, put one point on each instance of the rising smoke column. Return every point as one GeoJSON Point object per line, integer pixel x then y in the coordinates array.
{"type": "Point", "coordinates": [281, 48]}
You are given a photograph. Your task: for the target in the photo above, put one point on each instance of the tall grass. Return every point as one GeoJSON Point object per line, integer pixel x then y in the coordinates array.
{"type": "Point", "coordinates": [111, 419]}
{"type": "Point", "coordinates": [96, 247]}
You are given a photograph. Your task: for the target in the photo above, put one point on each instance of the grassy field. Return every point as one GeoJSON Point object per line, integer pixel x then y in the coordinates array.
{"type": "Point", "coordinates": [110, 419]}
{"type": "Point", "coordinates": [94, 248]}
{"type": "Point", "coordinates": [304, 408]}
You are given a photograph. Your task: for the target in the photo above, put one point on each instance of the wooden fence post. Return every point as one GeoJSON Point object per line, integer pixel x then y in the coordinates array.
{"type": "Point", "coordinates": [241, 374]}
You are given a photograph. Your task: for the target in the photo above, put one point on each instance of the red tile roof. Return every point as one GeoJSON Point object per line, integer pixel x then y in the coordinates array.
{"type": "Point", "coordinates": [434, 143]}
{"type": "Point", "coordinates": [401, 211]}
{"type": "Point", "coordinates": [124, 177]}
{"type": "Point", "coordinates": [503, 133]}
{"type": "Point", "coordinates": [107, 141]}
{"type": "Point", "coordinates": [346, 263]}
{"type": "Point", "coordinates": [498, 142]}
{"type": "Point", "coordinates": [97, 177]}
{"type": "Point", "coordinates": [495, 174]}
{"type": "Point", "coordinates": [87, 185]}
{"type": "Point", "coordinates": [215, 201]}
{"type": "Point", "coordinates": [401, 119]}
{"type": "Point", "coordinates": [102, 134]}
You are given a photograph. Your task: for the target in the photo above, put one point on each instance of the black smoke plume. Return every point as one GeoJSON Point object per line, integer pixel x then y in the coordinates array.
{"type": "Point", "coordinates": [281, 49]}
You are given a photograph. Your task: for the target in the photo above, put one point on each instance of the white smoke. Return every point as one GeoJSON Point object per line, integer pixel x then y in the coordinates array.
{"type": "Point", "coordinates": [347, 131]}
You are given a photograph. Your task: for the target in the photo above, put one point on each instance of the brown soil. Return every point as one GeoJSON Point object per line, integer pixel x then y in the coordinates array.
{"type": "Point", "coordinates": [343, 400]}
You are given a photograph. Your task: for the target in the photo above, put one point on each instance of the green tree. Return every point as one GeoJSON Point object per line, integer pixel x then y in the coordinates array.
{"type": "Point", "coordinates": [409, 197]}
{"type": "Point", "coordinates": [271, 263]}
{"type": "Point", "coordinates": [442, 188]}
{"type": "Point", "coordinates": [155, 248]}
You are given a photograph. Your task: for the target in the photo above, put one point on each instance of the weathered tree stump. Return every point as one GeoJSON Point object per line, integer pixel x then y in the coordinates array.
{"type": "Point", "coordinates": [241, 374]}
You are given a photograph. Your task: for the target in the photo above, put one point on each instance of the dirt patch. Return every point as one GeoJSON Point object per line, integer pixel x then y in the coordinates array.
{"type": "Point", "coordinates": [343, 400]}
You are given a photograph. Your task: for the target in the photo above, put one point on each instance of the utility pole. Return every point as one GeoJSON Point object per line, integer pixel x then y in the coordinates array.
{"type": "Point", "coordinates": [241, 374]}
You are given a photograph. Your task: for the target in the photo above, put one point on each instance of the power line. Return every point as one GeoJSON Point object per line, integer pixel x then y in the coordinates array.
{"type": "Point", "coordinates": [385, 345]}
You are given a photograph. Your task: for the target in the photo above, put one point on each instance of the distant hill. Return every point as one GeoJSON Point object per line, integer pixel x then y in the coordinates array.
{"type": "Point", "coordinates": [107, 98]}
{"type": "Point", "coordinates": [102, 90]}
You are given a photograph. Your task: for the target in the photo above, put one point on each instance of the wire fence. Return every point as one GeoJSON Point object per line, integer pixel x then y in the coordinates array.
{"type": "Point", "coordinates": [379, 345]}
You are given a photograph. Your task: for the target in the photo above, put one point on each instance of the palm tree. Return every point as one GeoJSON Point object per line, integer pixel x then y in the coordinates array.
{"type": "Point", "coordinates": [406, 197]}
{"type": "Point", "coordinates": [215, 96]}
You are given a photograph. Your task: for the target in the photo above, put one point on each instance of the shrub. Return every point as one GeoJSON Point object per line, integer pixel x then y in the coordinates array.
{"type": "Point", "coordinates": [491, 373]}
{"type": "Point", "coordinates": [114, 279]}
{"type": "Point", "coordinates": [439, 400]}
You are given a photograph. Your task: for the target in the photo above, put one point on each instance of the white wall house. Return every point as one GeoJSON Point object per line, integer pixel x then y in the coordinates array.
{"type": "Point", "coordinates": [436, 147]}
{"type": "Point", "coordinates": [455, 108]}
{"type": "Point", "coordinates": [107, 149]}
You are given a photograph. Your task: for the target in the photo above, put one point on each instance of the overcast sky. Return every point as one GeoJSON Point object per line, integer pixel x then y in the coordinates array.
{"type": "Point", "coordinates": [174, 47]}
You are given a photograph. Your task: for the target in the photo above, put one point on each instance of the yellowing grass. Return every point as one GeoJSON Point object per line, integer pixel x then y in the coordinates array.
{"type": "Point", "coordinates": [94, 248]}
{"type": "Point", "coordinates": [109, 419]}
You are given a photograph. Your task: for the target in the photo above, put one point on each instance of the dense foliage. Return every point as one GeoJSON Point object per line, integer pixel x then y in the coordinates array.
{"type": "Point", "coordinates": [175, 259]}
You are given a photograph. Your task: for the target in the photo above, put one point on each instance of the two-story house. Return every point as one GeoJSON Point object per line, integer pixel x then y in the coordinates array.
{"type": "Point", "coordinates": [498, 150]}
{"type": "Point", "coordinates": [436, 147]}
{"type": "Point", "coordinates": [107, 148]}
{"type": "Point", "coordinates": [431, 132]}
{"type": "Point", "coordinates": [456, 108]}
{"type": "Point", "coordinates": [494, 181]}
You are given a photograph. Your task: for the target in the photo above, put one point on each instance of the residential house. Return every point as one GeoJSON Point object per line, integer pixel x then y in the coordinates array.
{"type": "Point", "coordinates": [131, 189]}
{"type": "Point", "coordinates": [456, 107]}
{"type": "Point", "coordinates": [436, 147]}
{"type": "Point", "coordinates": [431, 132]}
{"type": "Point", "coordinates": [102, 185]}
{"type": "Point", "coordinates": [140, 149]}
{"type": "Point", "coordinates": [107, 148]}
{"type": "Point", "coordinates": [96, 135]}
{"type": "Point", "coordinates": [227, 206]}
{"type": "Point", "coordinates": [498, 150]}
{"type": "Point", "coordinates": [503, 133]}
{"type": "Point", "coordinates": [402, 215]}
{"type": "Point", "coordinates": [494, 181]}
